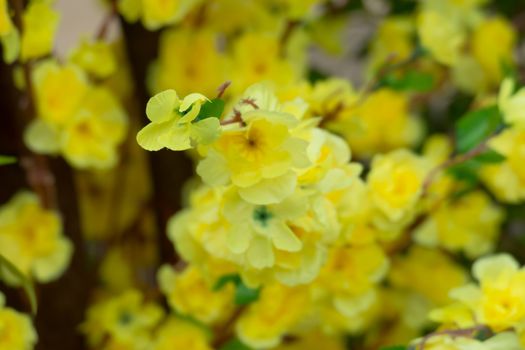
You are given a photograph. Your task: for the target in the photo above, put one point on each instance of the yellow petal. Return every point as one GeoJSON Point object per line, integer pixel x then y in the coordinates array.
{"type": "Point", "coordinates": [151, 135]}
{"type": "Point", "coordinates": [270, 191]}
{"type": "Point", "coordinates": [162, 106]}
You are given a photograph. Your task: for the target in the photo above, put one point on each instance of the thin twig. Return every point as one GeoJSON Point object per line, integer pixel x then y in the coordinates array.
{"type": "Point", "coordinates": [466, 332]}
{"type": "Point", "coordinates": [226, 332]}
{"type": "Point", "coordinates": [476, 151]}
{"type": "Point", "coordinates": [110, 16]}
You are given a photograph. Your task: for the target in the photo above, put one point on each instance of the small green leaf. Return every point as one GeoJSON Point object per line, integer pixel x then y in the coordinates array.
{"type": "Point", "coordinates": [6, 160]}
{"type": "Point", "coordinates": [395, 347]}
{"type": "Point", "coordinates": [211, 109]}
{"type": "Point", "coordinates": [26, 283]}
{"type": "Point", "coordinates": [466, 172]}
{"type": "Point", "coordinates": [235, 344]}
{"type": "Point", "coordinates": [224, 280]}
{"type": "Point", "coordinates": [410, 81]}
{"type": "Point", "coordinates": [490, 156]}
{"type": "Point", "coordinates": [476, 126]}
{"type": "Point", "coordinates": [245, 295]}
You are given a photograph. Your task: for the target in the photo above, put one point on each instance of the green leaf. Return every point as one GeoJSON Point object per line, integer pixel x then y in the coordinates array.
{"type": "Point", "coordinates": [5, 160]}
{"type": "Point", "coordinates": [235, 344]}
{"type": "Point", "coordinates": [224, 280]}
{"type": "Point", "coordinates": [26, 283]}
{"type": "Point", "coordinates": [410, 81]}
{"type": "Point", "coordinates": [245, 295]}
{"type": "Point", "coordinates": [211, 109]}
{"type": "Point", "coordinates": [490, 156]}
{"type": "Point", "coordinates": [476, 126]}
{"type": "Point", "coordinates": [395, 347]}
{"type": "Point", "coordinates": [466, 172]}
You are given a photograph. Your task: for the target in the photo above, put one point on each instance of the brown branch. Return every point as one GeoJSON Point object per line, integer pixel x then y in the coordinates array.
{"type": "Point", "coordinates": [227, 331]}
{"type": "Point", "coordinates": [106, 23]}
{"type": "Point", "coordinates": [466, 333]}
{"type": "Point", "coordinates": [38, 173]}
{"type": "Point", "coordinates": [222, 89]}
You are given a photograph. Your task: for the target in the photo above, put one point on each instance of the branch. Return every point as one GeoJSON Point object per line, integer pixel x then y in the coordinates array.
{"type": "Point", "coordinates": [476, 151]}
{"type": "Point", "coordinates": [38, 173]}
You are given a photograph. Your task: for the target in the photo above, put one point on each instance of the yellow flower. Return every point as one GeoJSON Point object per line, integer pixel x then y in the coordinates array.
{"type": "Point", "coordinates": [40, 24]}
{"type": "Point", "coordinates": [349, 277]}
{"type": "Point", "coordinates": [441, 35]}
{"type": "Point", "coordinates": [266, 321]}
{"type": "Point", "coordinates": [188, 61]}
{"type": "Point", "coordinates": [470, 223]}
{"type": "Point", "coordinates": [257, 57]}
{"type": "Point", "coordinates": [411, 272]}
{"type": "Point", "coordinates": [175, 333]}
{"type": "Point", "coordinates": [174, 124]}
{"type": "Point", "coordinates": [16, 329]}
{"type": "Point", "coordinates": [493, 44]}
{"type": "Point", "coordinates": [121, 318]}
{"type": "Point", "coordinates": [52, 81]}
{"type": "Point", "coordinates": [511, 104]}
{"type": "Point", "coordinates": [190, 293]}
{"type": "Point", "coordinates": [507, 179]}
{"type": "Point", "coordinates": [31, 238]}
{"type": "Point", "coordinates": [498, 301]}
{"type": "Point", "coordinates": [506, 340]}
{"type": "Point", "coordinates": [258, 158]}
{"type": "Point", "coordinates": [392, 43]}
{"type": "Point", "coordinates": [95, 57]}
{"type": "Point", "coordinates": [158, 13]}
{"type": "Point", "coordinates": [395, 183]}
{"type": "Point", "coordinates": [330, 97]}
{"type": "Point", "coordinates": [91, 137]}
{"type": "Point", "coordinates": [255, 228]}
{"type": "Point", "coordinates": [5, 21]}
{"type": "Point", "coordinates": [362, 124]}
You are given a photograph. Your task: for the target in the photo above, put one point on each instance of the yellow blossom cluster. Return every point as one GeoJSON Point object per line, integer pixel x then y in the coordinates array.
{"type": "Point", "coordinates": [332, 206]}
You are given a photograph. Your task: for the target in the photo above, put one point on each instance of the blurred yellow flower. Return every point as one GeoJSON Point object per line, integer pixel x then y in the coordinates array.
{"type": "Point", "coordinates": [91, 136]}
{"type": "Point", "coordinates": [31, 238]}
{"type": "Point", "coordinates": [5, 20]}
{"type": "Point", "coordinates": [191, 294]}
{"type": "Point", "coordinates": [16, 329]}
{"type": "Point", "coordinates": [121, 318]}
{"type": "Point", "coordinates": [395, 183]}
{"type": "Point", "coordinates": [175, 333]}
{"type": "Point", "coordinates": [493, 43]}
{"type": "Point", "coordinates": [512, 103]}
{"type": "Point", "coordinates": [267, 320]}
{"type": "Point", "coordinates": [95, 57]}
{"type": "Point", "coordinates": [362, 123]}
{"type": "Point", "coordinates": [188, 61]}
{"type": "Point", "coordinates": [507, 179]}
{"type": "Point", "coordinates": [51, 81]}
{"type": "Point", "coordinates": [156, 13]}
{"type": "Point", "coordinates": [40, 25]}
{"type": "Point", "coordinates": [410, 272]}
{"type": "Point", "coordinates": [470, 224]}
{"type": "Point", "coordinates": [443, 37]}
